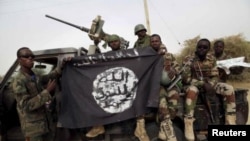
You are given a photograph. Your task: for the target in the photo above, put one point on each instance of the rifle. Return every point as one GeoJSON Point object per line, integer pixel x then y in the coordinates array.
{"type": "Point", "coordinates": [179, 77]}
{"type": "Point", "coordinates": [95, 32]}
{"type": "Point", "coordinates": [207, 90]}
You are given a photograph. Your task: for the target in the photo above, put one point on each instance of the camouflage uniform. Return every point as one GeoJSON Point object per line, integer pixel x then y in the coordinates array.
{"type": "Point", "coordinates": [169, 99]}
{"type": "Point", "coordinates": [223, 56]}
{"type": "Point", "coordinates": [140, 131]}
{"type": "Point", "coordinates": [144, 42]}
{"type": "Point", "coordinates": [219, 54]}
{"type": "Point", "coordinates": [222, 74]}
{"type": "Point", "coordinates": [32, 106]}
{"type": "Point", "coordinates": [196, 75]}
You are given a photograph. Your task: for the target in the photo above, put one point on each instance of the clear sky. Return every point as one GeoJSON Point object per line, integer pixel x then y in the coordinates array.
{"type": "Point", "coordinates": [23, 22]}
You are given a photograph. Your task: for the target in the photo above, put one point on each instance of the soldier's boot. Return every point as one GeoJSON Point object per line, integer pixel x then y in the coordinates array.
{"type": "Point", "coordinates": [140, 131]}
{"type": "Point", "coordinates": [95, 131]}
{"type": "Point", "coordinates": [230, 119]}
{"type": "Point", "coordinates": [189, 131]}
{"type": "Point", "coordinates": [167, 132]}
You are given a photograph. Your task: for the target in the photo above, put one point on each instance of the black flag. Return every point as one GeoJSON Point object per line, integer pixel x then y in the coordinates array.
{"type": "Point", "coordinates": [110, 87]}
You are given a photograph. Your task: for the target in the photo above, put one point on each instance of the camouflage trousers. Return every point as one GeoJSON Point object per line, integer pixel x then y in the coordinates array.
{"type": "Point", "coordinates": [226, 90]}
{"type": "Point", "coordinates": [49, 136]}
{"type": "Point", "coordinates": [168, 103]}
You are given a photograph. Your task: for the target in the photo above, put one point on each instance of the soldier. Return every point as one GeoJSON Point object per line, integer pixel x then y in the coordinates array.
{"type": "Point", "coordinates": [32, 99]}
{"type": "Point", "coordinates": [220, 54]}
{"type": "Point", "coordinates": [168, 99]}
{"type": "Point", "coordinates": [202, 74]}
{"type": "Point", "coordinates": [114, 43]}
{"type": "Point", "coordinates": [143, 38]}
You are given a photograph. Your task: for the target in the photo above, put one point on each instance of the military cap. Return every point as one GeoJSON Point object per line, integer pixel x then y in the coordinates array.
{"type": "Point", "coordinates": [113, 37]}
{"type": "Point", "coordinates": [139, 27]}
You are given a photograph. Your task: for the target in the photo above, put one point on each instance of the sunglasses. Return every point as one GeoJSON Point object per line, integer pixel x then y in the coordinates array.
{"type": "Point", "coordinates": [28, 56]}
{"type": "Point", "coordinates": [202, 47]}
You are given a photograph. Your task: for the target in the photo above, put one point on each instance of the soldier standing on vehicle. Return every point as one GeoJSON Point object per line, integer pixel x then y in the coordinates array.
{"type": "Point", "coordinates": [168, 99]}
{"type": "Point", "coordinates": [143, 38]}
{"type": "Point", "coordinates": [202, 74]}
{"type": "Point", "coordinates": [220, 54]}
{"type": "Point", "coordinates": [142, 41]}
{"type": "Point", "coordinates": [114, 43]}
{"type": "Point", "coordinates": [32, 98]}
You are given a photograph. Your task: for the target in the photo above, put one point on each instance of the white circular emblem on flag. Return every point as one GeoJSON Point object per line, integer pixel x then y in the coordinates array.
{"type": "Point", "coordinates": [114, 90]}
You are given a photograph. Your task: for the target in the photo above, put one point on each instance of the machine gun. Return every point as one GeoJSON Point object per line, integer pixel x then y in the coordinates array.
{"type": "Point", "coordinates": [95, 32]}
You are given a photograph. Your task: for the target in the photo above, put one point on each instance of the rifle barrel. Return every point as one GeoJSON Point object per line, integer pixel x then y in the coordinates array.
{"type": "Point", "coordinates": [76, 26]}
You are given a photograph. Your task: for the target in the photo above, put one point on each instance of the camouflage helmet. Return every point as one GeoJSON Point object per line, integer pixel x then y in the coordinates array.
{"type": "Point", "coordinates": [113, 37]}
{"type": "Point", "coordinates": [139, 27]}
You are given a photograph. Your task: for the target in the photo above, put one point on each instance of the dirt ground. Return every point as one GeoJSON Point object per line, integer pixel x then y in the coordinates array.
{"type": "Point", "coordinates": [245, 85]}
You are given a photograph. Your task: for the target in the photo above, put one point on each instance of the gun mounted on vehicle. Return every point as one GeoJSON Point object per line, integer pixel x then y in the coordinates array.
{"type": "Point", "coordinates": [95, 32]}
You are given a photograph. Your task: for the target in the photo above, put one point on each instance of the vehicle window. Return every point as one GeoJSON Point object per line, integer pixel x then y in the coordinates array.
{"type": "Point", "coordinates": [41, 67]}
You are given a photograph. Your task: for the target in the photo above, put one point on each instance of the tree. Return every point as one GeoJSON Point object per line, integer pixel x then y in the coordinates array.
{"type": "Point", "coordinates": [235, 45]}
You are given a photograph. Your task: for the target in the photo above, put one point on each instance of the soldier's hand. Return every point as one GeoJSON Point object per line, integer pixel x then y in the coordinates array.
{"type": "Point", "coordinates": [162, 51]}
{"type": "Point", "coordinates": [51, 85]}
{"type": "Point", "coordinates": [65, 60]}
{"type": "Point", "coordinates": [171, 73]}
{"type": "Point", "coordinates": [199, 84]}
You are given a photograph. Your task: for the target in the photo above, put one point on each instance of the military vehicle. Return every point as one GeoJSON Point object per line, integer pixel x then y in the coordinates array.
{"type": "Point", "coordinates": [95, 32]}
{"type": "Point", "coordinates": [46, 60]}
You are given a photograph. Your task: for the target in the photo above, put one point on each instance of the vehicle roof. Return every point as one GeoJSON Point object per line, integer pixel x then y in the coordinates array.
{"type": "Point", "coordinates": [52, 51]}
{"type": "Point", "coordinates": [56, 51]}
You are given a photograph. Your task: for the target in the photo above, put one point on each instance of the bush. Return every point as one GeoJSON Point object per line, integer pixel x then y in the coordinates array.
{"type": "Point", "coordinates": [235, 46]}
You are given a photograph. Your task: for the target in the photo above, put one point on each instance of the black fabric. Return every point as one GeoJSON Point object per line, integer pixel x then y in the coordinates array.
{"type": "Point", "coordinates": [95, 88]}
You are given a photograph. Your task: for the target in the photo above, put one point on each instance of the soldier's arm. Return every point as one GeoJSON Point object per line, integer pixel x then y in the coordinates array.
{"type": "Point", "coordinates": [24, 98]}
{"type": "Point", "coordinates": [56, 73]}
{"type": "Point", "coordinates": [214, 74]}
{"type": "Point", "coordinates": [175, 64]}
{"type": "Point", "coordinates": [186, 67]}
